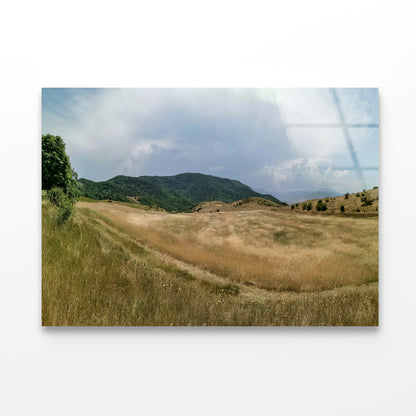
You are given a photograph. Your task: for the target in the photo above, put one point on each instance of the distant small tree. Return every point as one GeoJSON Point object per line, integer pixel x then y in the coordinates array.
{"type": "Point", "coordinates": [292, 206]}
{"type": "Point", "coordinates": [309, 206]}
{"type": "Point", "coordinates": [297, 205]}
{"type": "Point", "coordinates": [342, 208]}
{"type": "Point", "coordinates": [324, 207]}
{"type": "Point", "coordinates": [319, 205]}
{"type": "Point", "coordinates": [304, 206]}
{"type": "Point", "coordinates": [347, 195]}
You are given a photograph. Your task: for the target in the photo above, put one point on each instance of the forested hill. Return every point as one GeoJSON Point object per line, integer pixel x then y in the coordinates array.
{"type": "Point", "coordinates": [173, 193]}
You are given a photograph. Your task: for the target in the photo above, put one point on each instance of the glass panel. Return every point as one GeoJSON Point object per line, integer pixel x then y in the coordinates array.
{"type": "Point", "coordinates": [365, 142]}
{"type": "Point", "coordinates": [306, 106]}
{"type": "Point", "coordinates": [319, 142]}
{"type": "Point", "coordinates": [359, 105]}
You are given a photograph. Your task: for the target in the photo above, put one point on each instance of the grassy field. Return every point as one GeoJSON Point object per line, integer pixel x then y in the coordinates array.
{"type": "Point", "coordinates": [116, 264]}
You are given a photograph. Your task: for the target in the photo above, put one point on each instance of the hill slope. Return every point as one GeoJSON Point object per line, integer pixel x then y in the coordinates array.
{"type": "Point", "coordinates": [173, 193]}
{"type": "Point", "coordinates": [358, 203]}
{"type": "Point", "coordinates": [247, 204]}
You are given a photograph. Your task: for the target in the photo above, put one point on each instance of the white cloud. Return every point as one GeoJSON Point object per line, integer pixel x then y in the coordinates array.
{"type": "Point", "coordinates": [312, 174]}
{"type": "Point", "coordinates": [238, 133]}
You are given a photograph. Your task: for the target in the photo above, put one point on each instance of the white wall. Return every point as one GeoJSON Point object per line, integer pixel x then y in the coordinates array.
{"type": "Point", "coordinates": [205, 371]}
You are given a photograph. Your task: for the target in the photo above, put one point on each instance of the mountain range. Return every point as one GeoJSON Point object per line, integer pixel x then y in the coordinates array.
{"type": "Point", "coordinates": [172, 193]}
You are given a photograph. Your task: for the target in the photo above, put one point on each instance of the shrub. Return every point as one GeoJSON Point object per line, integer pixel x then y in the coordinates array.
{"type": "Point", "coordinates": [319, 205]}
{"type": "Point", "coordinates": [358, 195]}
{"type": "Point", "coordinates": [226, 289]}
{"type": "Point", "coordinates": [324, 207]}
{"type": "Point", "coordinates": [64, 203]}
{"type": "Point", "coordinates": [327, 200]}
{"type": "Point", "coordinates": [342, 208]}
{"type": "Point", "coordinates": [292, 206]}
{"type": "Point", "coordinates": [358, 209]}
{"type": "Point", "coordinates": [366, 202]}
{"type": "Point", "coordinates": [347, 195]}
{"type": "Point", "coordinates": [309, 206]}
{"type": "Point", "coordinates": [55, 196]}
{"type": "Point", "coordinates": [66, 209]}
{"type": "Point", "coordinates": [304, 206]}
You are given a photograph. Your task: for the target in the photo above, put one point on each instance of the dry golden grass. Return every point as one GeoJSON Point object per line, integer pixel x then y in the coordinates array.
{"type": "Point", "coordinates": [269, 249]}
{"type": "Point", "coordinates": [96, 271]}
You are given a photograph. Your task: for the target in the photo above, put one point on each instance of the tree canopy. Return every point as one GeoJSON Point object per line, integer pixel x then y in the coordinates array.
{"type": "Point", "coordinates": [56, 167]}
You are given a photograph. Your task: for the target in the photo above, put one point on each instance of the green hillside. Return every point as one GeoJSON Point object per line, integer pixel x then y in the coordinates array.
{"type": "Point", "coordinates": [173, 193]}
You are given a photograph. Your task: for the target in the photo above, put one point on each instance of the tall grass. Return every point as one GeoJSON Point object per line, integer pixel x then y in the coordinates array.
{"type": "Point", "coordinates": [90, 277]}
{"type": "Point", "coordinates": [271, 250]}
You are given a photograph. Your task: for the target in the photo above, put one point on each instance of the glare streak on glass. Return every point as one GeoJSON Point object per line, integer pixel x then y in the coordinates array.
{"type": "Point", "coordinates": [373, 125]}
{"type": "Point", "coordinates": [344, 126]}
{"type": "Point", "coordinates": [347, 136]}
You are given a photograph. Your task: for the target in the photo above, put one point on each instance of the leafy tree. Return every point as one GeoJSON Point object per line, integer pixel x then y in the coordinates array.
{"type": "Point", "coordinates": [347, 195]}
{"type": "Point", "coordinates": [342, 208]}
{"type": "Point", "coordinates": [324, 207]}
{"type": "Point", "coordinates": [56, 167]}
{"type": "Point", "coordinates": [58, 177]}
{"type": "Point", "coordinates": [309, 206]}
{"type": "Point", "coordinates": [292, 206]}
{"type": "Point", "coordinates": [304, 206]}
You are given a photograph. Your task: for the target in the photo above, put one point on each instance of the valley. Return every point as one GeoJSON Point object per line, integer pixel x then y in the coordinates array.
{"type": "Point", "coordinates": [252, 263]}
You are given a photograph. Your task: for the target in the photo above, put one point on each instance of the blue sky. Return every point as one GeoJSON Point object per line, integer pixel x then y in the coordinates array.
{"type": "Point", "coordinates": [270, 139]}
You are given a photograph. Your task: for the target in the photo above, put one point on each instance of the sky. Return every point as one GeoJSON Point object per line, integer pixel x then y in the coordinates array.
{"type": "Point", "coordinates": [274, 140]}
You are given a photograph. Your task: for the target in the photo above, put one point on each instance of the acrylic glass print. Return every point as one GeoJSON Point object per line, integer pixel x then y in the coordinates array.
{"type": "Point", "coordinates": [210, 207]}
